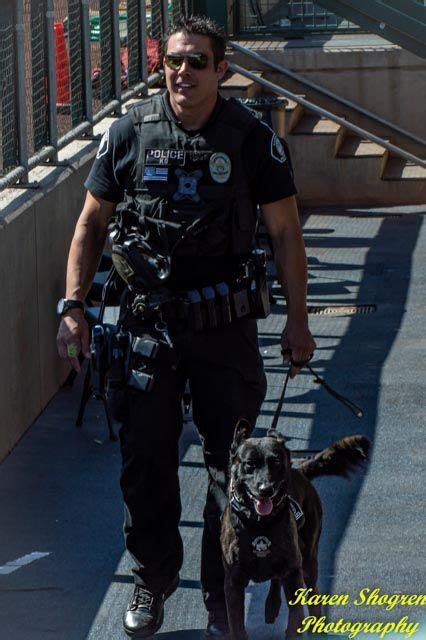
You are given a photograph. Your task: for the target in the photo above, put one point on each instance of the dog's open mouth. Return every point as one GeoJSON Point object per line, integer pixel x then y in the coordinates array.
{"type": "Point", "coordinates": [263, 506]}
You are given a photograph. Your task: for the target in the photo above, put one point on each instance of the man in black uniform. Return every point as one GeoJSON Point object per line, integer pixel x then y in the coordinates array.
{"type": "Point", "coordinates": [194, 166]}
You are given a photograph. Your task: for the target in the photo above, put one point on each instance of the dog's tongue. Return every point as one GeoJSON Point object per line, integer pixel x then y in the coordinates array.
{"type": "Point", "coordinates": [264, 506]}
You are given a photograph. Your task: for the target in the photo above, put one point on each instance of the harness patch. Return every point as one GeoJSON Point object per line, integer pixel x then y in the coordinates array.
{"type": "Point", "coordinates": [220, 167]}
{"type": "Point", "coordinates": [156, 173]}
{"type": "Point", "coordinates": [188, 185]}
{"type": "Point", "coordinates": [169, 157]}
{"type": "Point", "coordinates": [261, 546]}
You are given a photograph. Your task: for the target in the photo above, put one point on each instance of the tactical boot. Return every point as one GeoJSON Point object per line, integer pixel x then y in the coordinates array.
{"type": "Point", "coordinates": [145, 612]}
{"type": "Point", "coordinates": [217, 626]}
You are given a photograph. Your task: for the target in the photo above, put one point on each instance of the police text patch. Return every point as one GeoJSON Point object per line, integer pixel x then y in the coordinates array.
{"type": "Point", "coordinates": [168, 157]}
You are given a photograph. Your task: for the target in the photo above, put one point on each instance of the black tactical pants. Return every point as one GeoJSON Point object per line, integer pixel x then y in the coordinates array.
{"type": "Point", "coordinates": [227, 382]}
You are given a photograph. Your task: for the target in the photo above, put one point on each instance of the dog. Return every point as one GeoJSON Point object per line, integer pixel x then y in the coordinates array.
{"type": "Point", "coordinates": [271, 524]}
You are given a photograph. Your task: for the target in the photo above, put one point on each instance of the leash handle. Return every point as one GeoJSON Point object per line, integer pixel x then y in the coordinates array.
{"type": "Point", "coordinates": [357, 411]}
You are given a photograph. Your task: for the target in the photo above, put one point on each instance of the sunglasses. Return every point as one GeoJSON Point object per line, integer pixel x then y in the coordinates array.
{"type": "Point", "coordinates": [195, 60]}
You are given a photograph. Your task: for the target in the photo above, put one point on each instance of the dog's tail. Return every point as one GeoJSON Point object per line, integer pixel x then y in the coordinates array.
{"type": "Point", "coordinates": [340, 459]}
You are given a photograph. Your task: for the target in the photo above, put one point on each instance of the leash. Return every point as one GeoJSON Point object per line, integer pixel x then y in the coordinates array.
{"type": "Point", "coordinates": [357, 411]}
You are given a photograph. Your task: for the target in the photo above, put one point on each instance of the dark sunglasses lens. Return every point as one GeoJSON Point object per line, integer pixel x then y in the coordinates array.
{"type": "Point", "coordinates": [174, 62]}
{"type": "Point", "coordinates": [198, 61]}
{"type": "Point", "coordinates": [195, 60]}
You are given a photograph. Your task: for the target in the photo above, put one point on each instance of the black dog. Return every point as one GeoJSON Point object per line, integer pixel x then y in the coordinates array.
{"type": "Point", "coordinates": [272, 522]}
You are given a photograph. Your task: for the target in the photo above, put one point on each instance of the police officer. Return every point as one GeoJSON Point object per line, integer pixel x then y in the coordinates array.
{"type": "Point", "coordinates": [196, 166]}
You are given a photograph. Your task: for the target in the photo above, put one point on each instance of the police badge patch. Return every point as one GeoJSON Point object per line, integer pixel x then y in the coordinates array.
{"type": "Point", "coordinates": [277, 149]}
{"type": "Point", "coordinates": [220, 167]}
{"type": "Point", "coordinates": [261, 546]}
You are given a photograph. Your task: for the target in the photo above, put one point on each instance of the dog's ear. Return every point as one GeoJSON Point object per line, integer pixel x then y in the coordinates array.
{"type": "Point", "coordinates": [242, 431]}
{"type": "Point", "coordinates": [273, 433]}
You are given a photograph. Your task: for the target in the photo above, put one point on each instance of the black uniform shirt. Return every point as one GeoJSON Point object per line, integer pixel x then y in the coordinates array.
{"type": "Point", "coordinates": [267, 167]}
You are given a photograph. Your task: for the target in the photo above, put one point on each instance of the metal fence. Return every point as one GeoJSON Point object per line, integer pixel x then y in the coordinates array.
{"type": "Point", "coordinates": [66, 64]}
{"type": "Point", "coordinates": [257, 17]}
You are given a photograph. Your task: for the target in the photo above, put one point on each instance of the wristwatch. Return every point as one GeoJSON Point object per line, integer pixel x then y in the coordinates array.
{"type": "Point", "coordinates": [65, 304]}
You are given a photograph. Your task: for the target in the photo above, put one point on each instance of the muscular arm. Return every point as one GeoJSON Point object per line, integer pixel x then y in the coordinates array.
{"type": "Point", "coordinates": [87, 245]}
{"type": "Point", "coordinates": [83, 260]}
{"type": "Point", "coordinates": [282, 220]}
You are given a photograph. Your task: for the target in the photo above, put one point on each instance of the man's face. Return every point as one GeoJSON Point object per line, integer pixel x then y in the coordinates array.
{"type": "Point", "coordinates": [189, 87]}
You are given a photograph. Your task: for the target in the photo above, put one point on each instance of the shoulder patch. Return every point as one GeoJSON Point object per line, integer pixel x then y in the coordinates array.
{"type": "Point", "coordinates": [103, 145]}
{"type": "Point", "coordinates": [277, 149]}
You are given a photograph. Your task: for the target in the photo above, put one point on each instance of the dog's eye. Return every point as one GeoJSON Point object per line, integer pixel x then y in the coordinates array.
{"type": "Point", "coordinates": [249, 467]}
{"type": "Point", "coordinates": [275, 462]}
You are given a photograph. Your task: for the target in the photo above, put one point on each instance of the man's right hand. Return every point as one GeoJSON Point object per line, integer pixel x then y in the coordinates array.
{"type": "Point", "coordinates": [73, 337]}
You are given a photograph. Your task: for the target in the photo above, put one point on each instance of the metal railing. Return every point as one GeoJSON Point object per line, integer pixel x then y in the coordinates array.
{"type": "Point", "coordinates": [65, 65]}
{"type": "Point", "coordinates": [294, 17]}
{"type": "Point", "coordinates": [359, 131]}
{"type": "Point", "coordinates": [394, 129]}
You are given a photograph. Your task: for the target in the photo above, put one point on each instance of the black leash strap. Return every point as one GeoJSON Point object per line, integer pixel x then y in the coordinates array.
{"type": "Point", "coordinates": [357, 411]}
{"type": "Point", "coordinates": [281, 400]}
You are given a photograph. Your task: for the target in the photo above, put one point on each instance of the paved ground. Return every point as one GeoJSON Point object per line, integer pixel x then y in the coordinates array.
{"type": "Point", "coordinates": [59, 487]}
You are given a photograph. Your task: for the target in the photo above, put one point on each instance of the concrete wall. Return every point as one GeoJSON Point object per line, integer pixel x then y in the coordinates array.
{"type": "Point", "coordinates": [36, 227]}
{"type": "Point", "coordinates": [389, 82]}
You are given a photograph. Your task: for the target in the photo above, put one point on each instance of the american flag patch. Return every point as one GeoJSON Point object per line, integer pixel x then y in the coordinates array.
{"type": "Point", "coordinates": [156, 173]}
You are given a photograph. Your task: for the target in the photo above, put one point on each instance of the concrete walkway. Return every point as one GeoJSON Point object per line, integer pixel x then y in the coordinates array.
{"type": "Point", "coordinates": [59, 487]}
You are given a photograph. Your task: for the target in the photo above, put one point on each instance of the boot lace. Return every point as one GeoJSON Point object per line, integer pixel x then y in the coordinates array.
{"type": "Point", "coordinates": [142, 598]}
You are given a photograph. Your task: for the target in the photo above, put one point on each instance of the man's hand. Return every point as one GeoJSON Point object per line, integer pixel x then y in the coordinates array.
{"type": "Point", "coordinates": [298, 345]}
{"type": "Point", "coordinates": [73, 337]}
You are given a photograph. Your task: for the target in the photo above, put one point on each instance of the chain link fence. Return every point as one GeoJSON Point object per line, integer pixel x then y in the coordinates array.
{"type": "Point", "coordinates": [66, 64]}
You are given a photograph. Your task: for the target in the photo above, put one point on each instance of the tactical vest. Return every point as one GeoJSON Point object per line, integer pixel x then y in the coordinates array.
{"type": "Point", "coordinates": [193, 196]}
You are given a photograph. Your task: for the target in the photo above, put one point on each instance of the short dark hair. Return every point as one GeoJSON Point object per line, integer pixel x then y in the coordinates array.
{"type": "Point", "coordinates": [201, 26]}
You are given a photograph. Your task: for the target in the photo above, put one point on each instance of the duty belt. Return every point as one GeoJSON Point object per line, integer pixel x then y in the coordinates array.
{"type": "Point", "coordinates": [204, 308]}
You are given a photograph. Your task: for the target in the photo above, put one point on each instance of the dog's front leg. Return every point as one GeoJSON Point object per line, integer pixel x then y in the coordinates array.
{"type": "Point", "coordinates": [234, 595]}
{"type": "Point", "coordinates": [291, 582]}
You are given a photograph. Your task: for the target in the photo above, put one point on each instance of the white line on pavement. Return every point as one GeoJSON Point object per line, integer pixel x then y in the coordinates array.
{"type": "Point", "coordinates": [14, 565]}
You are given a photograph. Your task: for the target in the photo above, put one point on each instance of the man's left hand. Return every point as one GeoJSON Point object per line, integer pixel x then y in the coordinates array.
{"type": "Point", "coordinates": [297, 345]}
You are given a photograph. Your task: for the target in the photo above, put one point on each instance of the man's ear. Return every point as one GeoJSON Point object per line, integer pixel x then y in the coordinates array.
{"type": "Point", "coordinates": [242, 431]}
{"type": "Point", "coordinates": [222, 68]}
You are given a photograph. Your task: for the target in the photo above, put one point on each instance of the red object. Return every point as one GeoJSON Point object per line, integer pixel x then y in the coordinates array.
{"type": "Point", "coordinates": [153, 55]}
{"type": "Point", "coordinates": [63, 97]}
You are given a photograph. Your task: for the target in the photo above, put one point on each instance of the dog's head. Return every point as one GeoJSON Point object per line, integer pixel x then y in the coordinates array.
{"type": "Point", "coordinates": [259, 469]}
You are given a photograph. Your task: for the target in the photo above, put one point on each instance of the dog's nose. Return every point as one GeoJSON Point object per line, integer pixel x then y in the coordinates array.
{"type": "Point", "coordinates": [265, 491]}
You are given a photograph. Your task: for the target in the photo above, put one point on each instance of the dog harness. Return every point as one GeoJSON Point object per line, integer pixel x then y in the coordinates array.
{"type": "Point", "coordinates": [261, 539]}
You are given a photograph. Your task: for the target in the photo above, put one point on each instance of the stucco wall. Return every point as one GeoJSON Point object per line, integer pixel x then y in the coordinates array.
{"type": "Point", "coordinates": [36, 228]}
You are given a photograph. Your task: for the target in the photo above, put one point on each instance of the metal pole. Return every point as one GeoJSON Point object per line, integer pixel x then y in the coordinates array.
{"type": "Point", "coordinates": [164, 18]}
{"type": "Point", "coordinates": [329, 94]}
{"type": "Point", "coordinates": [87, 65]}
{"type": "Point", "coordinates": [143, 62]}
{"type": "Point", "coordinates": [51, 75]}
{"type": "Point", "coordinates": [362, 133]}
{"type": "Point", "coordinates": [116, 62]}
{"type": "Point", "coordinates": [21, 103]}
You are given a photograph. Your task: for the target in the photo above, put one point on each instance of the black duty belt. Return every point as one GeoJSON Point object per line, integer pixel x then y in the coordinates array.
{"type": "Point", "coordinates": [204, 308]}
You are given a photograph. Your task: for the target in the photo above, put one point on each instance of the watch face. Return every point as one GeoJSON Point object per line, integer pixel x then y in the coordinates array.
{"type": "Point", "coordinates": [60, 307]}
{"type": "Point", "coordinates": [64, 305]}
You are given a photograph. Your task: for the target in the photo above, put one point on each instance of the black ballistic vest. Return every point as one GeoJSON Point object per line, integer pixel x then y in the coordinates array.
{"type": "Point", "coordinates": [192, 192]}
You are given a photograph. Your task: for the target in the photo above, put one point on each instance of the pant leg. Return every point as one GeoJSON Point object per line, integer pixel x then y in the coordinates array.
{"type": "Point", "coordinates": [227, 383]}
{"type": "Point", "coordinates": [149, 479]}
